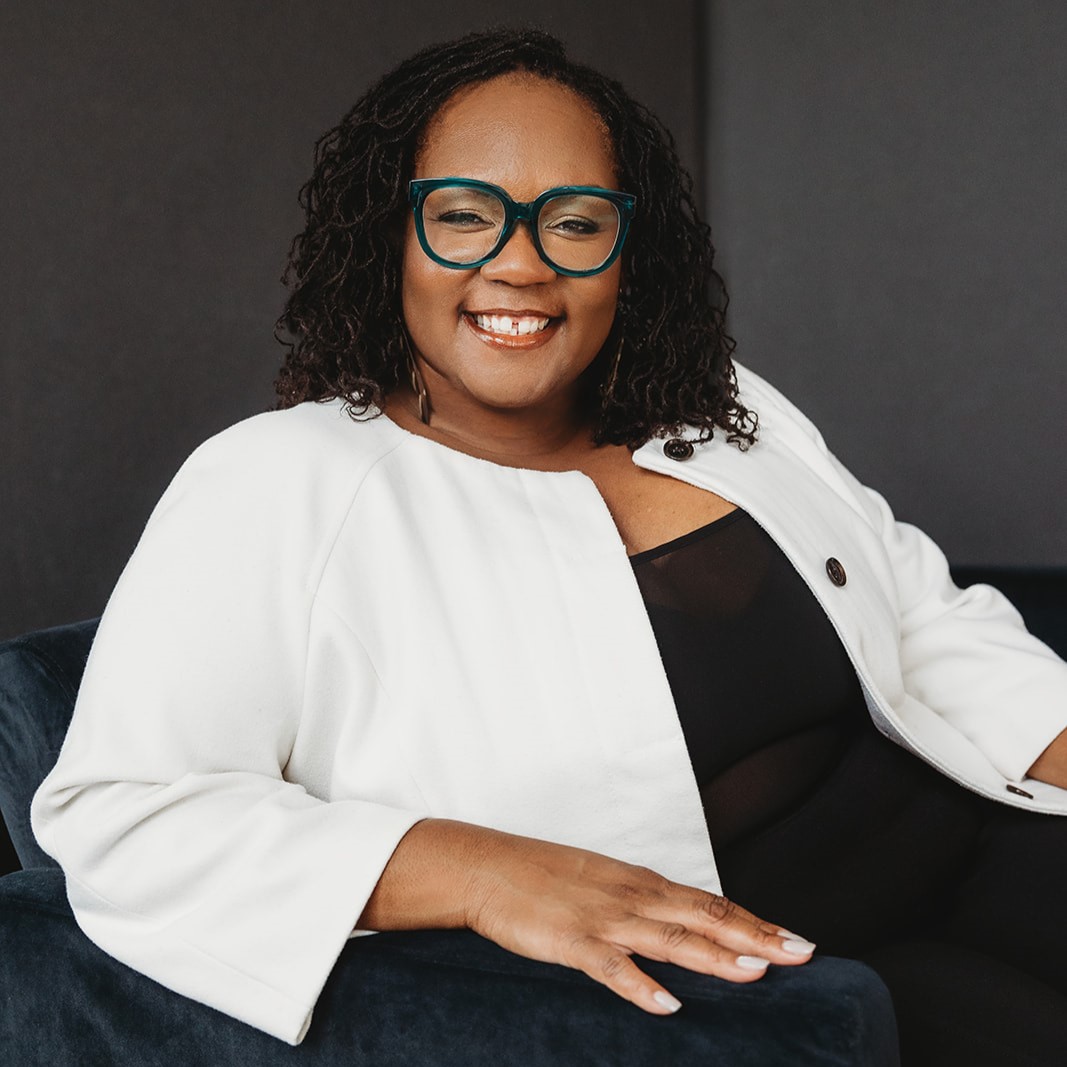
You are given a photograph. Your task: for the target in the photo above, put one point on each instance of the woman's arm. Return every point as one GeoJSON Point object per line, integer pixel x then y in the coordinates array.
{"type": "Point", "coordinates": [964, 653]}
{"type": "Point", "coordinates": [192, 853]}
{"type": "Point", "coordinates": [567, 905]}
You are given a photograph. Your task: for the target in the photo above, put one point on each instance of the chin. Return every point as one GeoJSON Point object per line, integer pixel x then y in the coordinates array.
{"type": "Point", "coordinates": [513, 400]}
{"type": "Point", "coordinates": [515, 391]}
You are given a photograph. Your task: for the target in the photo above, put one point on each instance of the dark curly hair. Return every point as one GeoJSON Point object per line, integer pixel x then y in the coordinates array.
{"type": "Point", "coordinates": [343, 323]}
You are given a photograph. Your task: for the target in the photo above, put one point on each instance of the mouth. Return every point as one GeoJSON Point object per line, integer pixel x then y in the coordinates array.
{"type": "Point", "coordinates": [512, 329]}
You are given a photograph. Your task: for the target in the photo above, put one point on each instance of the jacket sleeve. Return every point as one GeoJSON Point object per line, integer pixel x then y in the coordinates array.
{"type": "Point", "coordinates": [964, 653]}
{"type": "Point", "coordinates": [188, 854]}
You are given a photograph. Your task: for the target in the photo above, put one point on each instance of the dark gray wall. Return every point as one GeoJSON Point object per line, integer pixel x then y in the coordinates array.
{"type": "Point", "coordinates": [885, 185]}
{"type": "Point", "coordinates": [887, 188]}
{"type": "Point", "coordinates": [150, 162]}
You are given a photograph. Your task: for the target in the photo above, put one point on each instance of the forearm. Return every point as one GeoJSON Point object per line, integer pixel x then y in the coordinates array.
{"type": "Point", "coordinates": [566, 905]}
{"type": "Point", "coordinates": [429, 881]}
{"type": "Point", "coordinates": [1051, 765]}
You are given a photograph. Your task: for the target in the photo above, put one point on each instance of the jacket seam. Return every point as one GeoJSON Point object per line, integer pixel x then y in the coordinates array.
{"type": "Point", "coordinates": [325, 606]}
{"type": "Point", "coordinates": [313, 587]}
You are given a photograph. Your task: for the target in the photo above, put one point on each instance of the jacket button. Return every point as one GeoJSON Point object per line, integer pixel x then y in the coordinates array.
{"type": "Point", "coordinates": [836, 571]}
{"type": "Point", "coordinates": [677, 449]}
{"type": "Point", "coordinates": [1019, 792]}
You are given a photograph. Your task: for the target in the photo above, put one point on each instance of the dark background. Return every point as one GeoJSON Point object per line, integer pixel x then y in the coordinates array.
{"type": "Point", "coordinates": [150, 160]}
{"type": "Point", "coordinates": [885, 182]}
{"type": "Point", "coordinates": [888, 186]}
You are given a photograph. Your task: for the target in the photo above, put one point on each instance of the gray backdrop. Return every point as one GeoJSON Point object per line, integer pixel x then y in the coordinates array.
{"type": "Point", "coordinates": [885, 182]}
{"type": "Point", "coordinates": [887, 185]}
{"type": "Point", "coordinates": [151, 155]}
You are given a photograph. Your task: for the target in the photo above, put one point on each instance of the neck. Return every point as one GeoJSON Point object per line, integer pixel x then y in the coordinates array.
{"type": "Point", "coordinates": [549, 436]}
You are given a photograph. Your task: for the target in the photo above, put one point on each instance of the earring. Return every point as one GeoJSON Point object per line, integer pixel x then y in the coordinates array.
{"type": "Point", "coordinates": [609, 386]}
{"type": "Point", "coordinates": [418, 386]}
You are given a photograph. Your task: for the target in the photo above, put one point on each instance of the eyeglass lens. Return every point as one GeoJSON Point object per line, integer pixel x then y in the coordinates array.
{"type": "Point", "coordinates": [577, 230]}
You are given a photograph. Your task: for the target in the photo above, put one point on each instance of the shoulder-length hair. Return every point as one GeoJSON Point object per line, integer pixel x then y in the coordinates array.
{"type": "Point", "coordinates": [667, 362]}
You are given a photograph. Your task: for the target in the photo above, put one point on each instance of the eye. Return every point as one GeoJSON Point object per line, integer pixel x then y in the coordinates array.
{"type": "Point", "coordinates": [579, 218]}
{"type": "Point", "coordinates": [575, 226]}
{"type": "Point", "coordinates": [463, 219]}
{"type": "Point", "coordinates": [460, 210]}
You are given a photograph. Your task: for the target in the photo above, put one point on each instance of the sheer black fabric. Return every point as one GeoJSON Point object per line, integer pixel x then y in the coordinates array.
{"type": "Point", "coordinates": [817, 820]}
{"type": "Point", "coordinates": [766, 696]}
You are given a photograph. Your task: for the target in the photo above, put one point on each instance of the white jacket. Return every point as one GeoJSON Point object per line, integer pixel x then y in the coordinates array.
{"type": "Point", "coordinates": [331, 629]}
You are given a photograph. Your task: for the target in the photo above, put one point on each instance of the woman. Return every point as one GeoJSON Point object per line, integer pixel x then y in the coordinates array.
{"type": "Point", "coordinates": [512, 603]}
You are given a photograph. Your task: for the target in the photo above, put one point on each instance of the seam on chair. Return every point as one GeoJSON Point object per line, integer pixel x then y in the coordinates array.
{"type": "Point", "coordinates": [59, 674]}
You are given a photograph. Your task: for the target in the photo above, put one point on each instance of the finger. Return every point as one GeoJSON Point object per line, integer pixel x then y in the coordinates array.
{"type": "Point", "coordinates": [611, 966]}
{"type": "Point", "coordinates": [671, 942]}
{"type": "Point", "coordinates": [721, 920]}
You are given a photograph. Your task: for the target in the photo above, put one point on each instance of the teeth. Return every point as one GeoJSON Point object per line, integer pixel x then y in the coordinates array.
{"type": "Point", "coordinates": [514, 326]}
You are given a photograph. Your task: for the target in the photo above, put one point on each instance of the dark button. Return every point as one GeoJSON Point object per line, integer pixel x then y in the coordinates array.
{"type": "Point", "coordinates": [678, 449]}
{"type": "Point", "coordinates": [836, 571]}
{"type": "Point", "coordinates": [1019, 792]}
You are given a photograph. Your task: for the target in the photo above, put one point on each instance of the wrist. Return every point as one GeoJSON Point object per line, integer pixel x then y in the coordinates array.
{"type": "Point", "coordinates": [480, 858]}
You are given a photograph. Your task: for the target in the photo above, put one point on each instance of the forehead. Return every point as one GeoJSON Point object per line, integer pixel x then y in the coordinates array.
{"type": "Point", "coordinates": [521, 132]}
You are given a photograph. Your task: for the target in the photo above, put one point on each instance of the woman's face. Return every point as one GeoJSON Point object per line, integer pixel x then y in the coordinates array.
{"type": "Point", "coordinates": [525, 135]}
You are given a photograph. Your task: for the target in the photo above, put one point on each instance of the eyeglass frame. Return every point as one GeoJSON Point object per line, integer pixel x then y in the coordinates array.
{"type": "Point", "coordinates": [517, 211]}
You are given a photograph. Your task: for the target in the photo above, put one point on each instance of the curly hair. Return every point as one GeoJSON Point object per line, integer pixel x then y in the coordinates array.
{"type": "Point", "coordinates": [346, 334]}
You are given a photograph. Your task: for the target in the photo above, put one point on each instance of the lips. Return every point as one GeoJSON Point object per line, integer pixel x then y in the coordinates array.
{"type": "Point", "coordinates": [512, 328]}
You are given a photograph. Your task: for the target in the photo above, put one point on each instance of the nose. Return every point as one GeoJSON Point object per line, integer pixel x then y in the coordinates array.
{"type": "Point", "coordinates": [518, 263]}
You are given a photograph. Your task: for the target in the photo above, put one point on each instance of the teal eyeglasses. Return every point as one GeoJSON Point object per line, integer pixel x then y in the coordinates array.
{"type": "Point", "coordinates": [578, 230]}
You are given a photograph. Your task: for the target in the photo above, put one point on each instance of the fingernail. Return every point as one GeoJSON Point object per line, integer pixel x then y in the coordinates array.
{"type": "Point", "coordinates": [753, 963]}
{"type": "Point", "coordinates": [665, 1000]}
{"type": "Point", "coordinates": [798, 947]}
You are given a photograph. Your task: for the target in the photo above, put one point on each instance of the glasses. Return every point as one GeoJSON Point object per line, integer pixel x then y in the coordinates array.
{"type": "Point", "coordinates": [578, 230]}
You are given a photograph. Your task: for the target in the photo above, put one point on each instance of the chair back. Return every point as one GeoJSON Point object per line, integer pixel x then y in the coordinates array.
{"type": "Point", "coordinates": [39, 677]}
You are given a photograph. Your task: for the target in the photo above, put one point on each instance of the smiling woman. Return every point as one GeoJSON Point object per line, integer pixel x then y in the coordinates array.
{"type": "Point", "coordinates": [525, 135]}
{"type": "Point", "coordinates": [510, 624]}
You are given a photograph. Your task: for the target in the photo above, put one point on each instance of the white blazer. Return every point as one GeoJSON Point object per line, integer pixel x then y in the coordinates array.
{"type": "Point", "coordinates": [333, 628]}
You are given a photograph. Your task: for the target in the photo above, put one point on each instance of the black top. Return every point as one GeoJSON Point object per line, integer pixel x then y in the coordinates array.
{"type": "Point", "coordinates": [767, 698]}
{"type": "Point", "coordinates": [819, 823]}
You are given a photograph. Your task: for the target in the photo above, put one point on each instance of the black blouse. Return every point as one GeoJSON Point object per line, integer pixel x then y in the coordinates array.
{"type": "Point", "coordinates": [819, 823]}
{"type": "Point", "coordinates": [767, 698]}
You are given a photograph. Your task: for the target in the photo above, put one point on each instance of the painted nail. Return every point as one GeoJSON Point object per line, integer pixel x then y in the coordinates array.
{"type": "Point", "coordinates": [665, 1000]}
{"type": "Point", "coordinates": [752, 963]}
{"type": "Point", "coordinates": [798, 947]}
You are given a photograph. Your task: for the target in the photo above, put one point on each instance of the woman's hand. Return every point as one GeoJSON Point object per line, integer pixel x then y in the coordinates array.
{"type": "Point", "coordinates": [566, 905]}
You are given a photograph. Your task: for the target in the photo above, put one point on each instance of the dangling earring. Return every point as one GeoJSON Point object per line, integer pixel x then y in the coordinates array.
{"type": "Point", "coordinates": [418, 386]}
{"type": "Point", "coordinates": [609, 385]}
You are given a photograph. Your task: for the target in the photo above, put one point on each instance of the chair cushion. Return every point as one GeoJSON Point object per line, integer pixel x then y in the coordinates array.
{"type": "Point", "coordinates": [39, 678]}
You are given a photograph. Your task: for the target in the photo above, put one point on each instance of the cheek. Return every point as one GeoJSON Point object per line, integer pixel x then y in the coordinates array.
{"type": "Point", "coordinates": [602, 303]}
{"type": "Point", "coordinates": [429, 293]}
{"type": "Point", "coordinates": [412, 274]}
